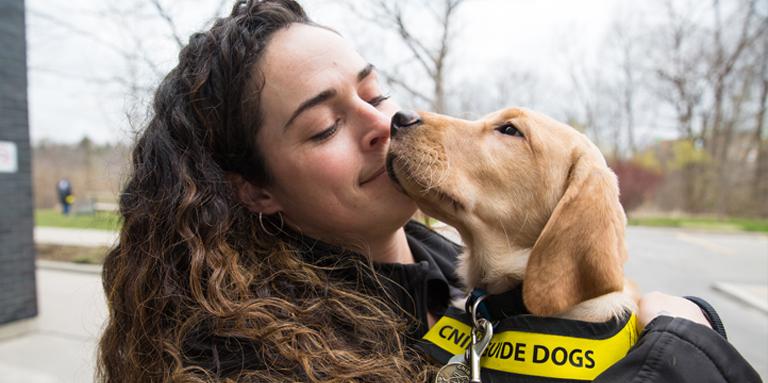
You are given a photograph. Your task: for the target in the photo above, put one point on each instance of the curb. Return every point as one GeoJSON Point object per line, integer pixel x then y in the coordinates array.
{"type": "Point", "coordinates": [68, 266]}
{"type": "Point", "coordinates": [704, 230]}
{"type": "Point", "coordinates": [740, 294]}
{"type": "Point", "coordinates": [50, 235]}
{"type": "Point", "coordinates": [18, 328]}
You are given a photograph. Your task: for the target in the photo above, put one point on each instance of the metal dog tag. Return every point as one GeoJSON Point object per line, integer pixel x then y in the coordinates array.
{"type": "Point", "coordinates": [456, 371]}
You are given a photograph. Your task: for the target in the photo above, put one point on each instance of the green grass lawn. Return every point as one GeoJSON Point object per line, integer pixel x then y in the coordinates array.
{"type": "Point", "coordinates": [75, 254]}
{"type": "Point", "coordinates": [110, 221]}
{"type": "Point", "coordinates": [728, 224]}
{"type": "Point", "coordinates": [100, 221]}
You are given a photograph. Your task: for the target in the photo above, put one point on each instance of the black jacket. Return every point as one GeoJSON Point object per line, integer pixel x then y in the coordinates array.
{"type": "Point", "coordinates": [679, 350]}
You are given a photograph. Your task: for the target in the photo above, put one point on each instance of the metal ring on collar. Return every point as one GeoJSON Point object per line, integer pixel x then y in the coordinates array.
{"type": "Point", "coordinates": [473, 310]}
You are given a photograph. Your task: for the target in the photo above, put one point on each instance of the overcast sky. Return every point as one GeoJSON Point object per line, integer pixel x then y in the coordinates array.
{"type": "Point", "coordinates": [72, 47]}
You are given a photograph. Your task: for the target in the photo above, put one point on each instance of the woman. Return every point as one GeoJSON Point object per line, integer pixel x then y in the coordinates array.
{"type": "Point", "coordinates": [262, 240]}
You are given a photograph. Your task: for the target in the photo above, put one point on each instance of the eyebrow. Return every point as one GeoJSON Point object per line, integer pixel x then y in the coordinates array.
{"type": "Point", "coordinates": [324, 96]}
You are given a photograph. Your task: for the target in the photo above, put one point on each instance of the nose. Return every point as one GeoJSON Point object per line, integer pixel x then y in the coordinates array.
{"type": "Point", "coordinates": [403, 119]}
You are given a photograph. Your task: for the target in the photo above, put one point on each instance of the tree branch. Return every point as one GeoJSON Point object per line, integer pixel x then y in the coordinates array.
{"type": "Point", "coordinates": [392, 80]}
{"type": "Point", "coordinates": [169, 21]}
{"type": "Point", "coordinates": [76, 30]}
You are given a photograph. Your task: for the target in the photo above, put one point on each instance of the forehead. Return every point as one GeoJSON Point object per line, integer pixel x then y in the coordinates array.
{"type": "Point", "coordinates": [302, 60]}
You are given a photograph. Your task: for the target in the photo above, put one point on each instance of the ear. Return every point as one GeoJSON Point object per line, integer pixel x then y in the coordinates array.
{"type": "Point", "coordinates": [256, 199]}
{"type": "Point", "coordinates": [581, 251]}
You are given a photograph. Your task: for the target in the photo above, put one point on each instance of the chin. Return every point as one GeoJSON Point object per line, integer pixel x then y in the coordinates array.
{"type": "Point", "coordinates": [393, 208]}
{"type": "Point", "coordinates": [400, 210]}
{"type": "Point", "coordinates": [407, 210]}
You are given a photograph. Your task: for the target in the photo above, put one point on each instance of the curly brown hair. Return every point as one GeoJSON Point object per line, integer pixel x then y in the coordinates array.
{"type": "Point", "coordinates": [197, 291]}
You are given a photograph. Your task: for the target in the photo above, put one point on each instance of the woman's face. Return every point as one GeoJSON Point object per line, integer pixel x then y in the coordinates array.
{"type": "Point", "coordinates": [324, 135]}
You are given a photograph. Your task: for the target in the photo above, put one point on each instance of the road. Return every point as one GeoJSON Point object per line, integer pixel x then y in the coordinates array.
{"type": "Point", "coordinates": [691, 263]}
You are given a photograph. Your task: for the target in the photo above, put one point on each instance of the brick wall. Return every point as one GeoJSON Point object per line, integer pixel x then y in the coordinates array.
{"type": "Point", "coordinates": [17, 252]}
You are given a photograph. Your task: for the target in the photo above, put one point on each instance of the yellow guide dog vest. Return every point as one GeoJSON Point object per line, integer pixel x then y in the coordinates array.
{"type": "Point", "coordinates": [526, 348]}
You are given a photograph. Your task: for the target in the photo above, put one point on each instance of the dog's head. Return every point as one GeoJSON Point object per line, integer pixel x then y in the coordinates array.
{"type": "Point", "coordinates": [522, 181]}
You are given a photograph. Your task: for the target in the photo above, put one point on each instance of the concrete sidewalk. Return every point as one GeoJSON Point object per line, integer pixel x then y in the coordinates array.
{"type": "Point", "coordinates": [75, 237]}
{"type": "Point", "coordinates": [59, 346]}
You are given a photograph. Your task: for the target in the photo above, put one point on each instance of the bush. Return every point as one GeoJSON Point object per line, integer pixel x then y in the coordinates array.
{"type": "Point", "coordinates": [637, 183]}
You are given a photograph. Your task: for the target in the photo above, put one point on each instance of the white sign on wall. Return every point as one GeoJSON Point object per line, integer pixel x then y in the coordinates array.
{"type": "Point", "coordinates": [8, 157]}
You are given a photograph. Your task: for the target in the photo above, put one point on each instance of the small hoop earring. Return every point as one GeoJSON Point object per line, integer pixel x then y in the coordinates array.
{"type": "Point", "coordinates": [279, 229]}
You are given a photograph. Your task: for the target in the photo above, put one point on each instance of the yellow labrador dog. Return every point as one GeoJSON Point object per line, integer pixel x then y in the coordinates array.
{"type": "Point", "coordinates": [533, 200]}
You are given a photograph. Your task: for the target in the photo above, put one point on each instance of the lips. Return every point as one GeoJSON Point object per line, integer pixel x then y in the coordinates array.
{"type": "Point", "coordinates": [374, 175]}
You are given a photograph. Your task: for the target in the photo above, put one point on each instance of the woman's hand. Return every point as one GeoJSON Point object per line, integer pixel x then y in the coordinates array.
{"type": "Point", "coordinates": [656, 304]}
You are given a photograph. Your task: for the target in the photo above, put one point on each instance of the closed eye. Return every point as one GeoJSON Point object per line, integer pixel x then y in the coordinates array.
{"type": "Point", "coordinates": [327, 133]}
{"type": "Point", "coordinates": [510, 130]}
{"type": "Point", "coordinates": [376, 101]}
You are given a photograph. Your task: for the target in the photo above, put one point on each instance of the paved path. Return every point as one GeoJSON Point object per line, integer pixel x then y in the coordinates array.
{"type": "Point", "coordinates": [61, 345]}
{"type": "Point", "coordinates": [699, 263]}
{"type": "Point", "coordinates": [72, 309]}
{"type": "Point", "coordinates": [74, 237]}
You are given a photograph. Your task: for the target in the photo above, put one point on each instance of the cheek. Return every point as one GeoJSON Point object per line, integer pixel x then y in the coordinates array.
{"type": "Point", "coordinates": [327, 168]}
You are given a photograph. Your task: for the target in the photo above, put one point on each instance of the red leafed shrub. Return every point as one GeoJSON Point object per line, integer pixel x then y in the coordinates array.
{"type": "Point", "coordinates": [636, 182]}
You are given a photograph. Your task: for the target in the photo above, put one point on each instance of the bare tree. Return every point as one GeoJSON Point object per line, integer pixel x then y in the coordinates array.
{"type": "Point", "coordinates": [590, 96]}
{"type": "Point", "coordinates": [142, 66]}
{"type": "Point", "coordinates": [98, 169]}
{"type": "Point", "coordinates": [705, 70]}
{"type": "Point", "coordinates": [760, 177]}
{"type": "Point", "coordinates": [624, 44]}
{"type": "Point", "coordinates": [502, 84]}
{"type": "Point", "coordinates": [678, 70]}
{"type": "Point", "coordinates": [724, 79]}
{"type": "Point", "coordinates": [724, 62]}
{"type": "Point", "coordinates": [679, 82]}
{"type": "Point", "coordinates": [587, 108]}
{"type": "Point", "coordinates": [431, 56]}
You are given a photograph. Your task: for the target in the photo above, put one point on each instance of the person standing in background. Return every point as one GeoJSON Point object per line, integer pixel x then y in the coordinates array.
{"type": "Point", "coordinates": [66, 198]}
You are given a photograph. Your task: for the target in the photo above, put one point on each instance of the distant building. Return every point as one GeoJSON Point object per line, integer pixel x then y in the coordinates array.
{"type": "Point", "coordinates": [17, 251]}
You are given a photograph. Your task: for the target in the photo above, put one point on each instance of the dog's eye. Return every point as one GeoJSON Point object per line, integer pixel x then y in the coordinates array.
{"type": "Point", "coordinates": [510, 130]}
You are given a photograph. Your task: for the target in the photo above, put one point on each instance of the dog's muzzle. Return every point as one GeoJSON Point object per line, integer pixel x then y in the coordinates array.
{"type": "Point", "coordinates": [400, 121]}
{"type": "Point", "coordinates": [391, 173]}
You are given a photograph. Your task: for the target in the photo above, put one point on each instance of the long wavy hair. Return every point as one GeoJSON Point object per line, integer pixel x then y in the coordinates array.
{"type": "Point", "coordinates": [196, 290]}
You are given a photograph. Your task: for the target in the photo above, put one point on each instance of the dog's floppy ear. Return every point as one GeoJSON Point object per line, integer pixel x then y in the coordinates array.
{"type": "Point", "coordinates": [580, 253]}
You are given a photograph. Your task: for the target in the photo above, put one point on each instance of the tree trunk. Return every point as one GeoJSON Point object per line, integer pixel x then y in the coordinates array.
{"type": "Point", "coordinates": [760, 178]}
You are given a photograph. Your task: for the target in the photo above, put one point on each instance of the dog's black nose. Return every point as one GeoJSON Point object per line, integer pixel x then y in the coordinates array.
{"type": "Point", "coordinates": [403, 119]}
